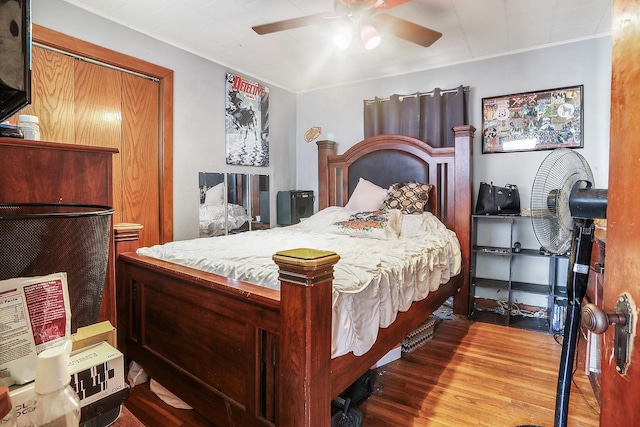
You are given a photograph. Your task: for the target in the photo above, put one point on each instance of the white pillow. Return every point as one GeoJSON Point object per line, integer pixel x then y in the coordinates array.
{"type": "Point", "coordinates": [366, 197]}
{"type": "Point", "coordinates": [215, 195]}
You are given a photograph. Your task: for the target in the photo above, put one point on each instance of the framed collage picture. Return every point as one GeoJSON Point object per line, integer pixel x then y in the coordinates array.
{"type": "Point", "coordinates": [542, 120]}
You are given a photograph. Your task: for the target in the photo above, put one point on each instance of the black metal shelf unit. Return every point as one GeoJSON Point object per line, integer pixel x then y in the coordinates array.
{"type": "Point", "coordinates": [499, 278]}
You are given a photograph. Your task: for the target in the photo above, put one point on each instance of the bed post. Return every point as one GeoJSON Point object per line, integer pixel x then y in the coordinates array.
{"type": "Point", "coordinates": [126, 238]}
{"type": "Point", "coordinates": [326, 148]}
{"type": "Point", "coordinates": [304, 365]}
{"type": "Point", "coordinates": [463, 137]}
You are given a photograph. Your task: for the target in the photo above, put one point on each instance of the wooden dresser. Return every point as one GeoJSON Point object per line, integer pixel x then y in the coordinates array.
{"type": "Point", "coordinates": [49, 172]}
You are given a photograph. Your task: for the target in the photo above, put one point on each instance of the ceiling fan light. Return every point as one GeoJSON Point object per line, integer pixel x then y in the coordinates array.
{"type": "Point", "coordinates": [342, 37]}
{"type": "Point", "coordinates": [370, 37]}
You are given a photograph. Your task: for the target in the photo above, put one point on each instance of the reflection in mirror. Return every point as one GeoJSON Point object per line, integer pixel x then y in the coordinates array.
{"type": "Point", "coordinates": [219, 214]}
{"type": "Point", "coordinates": [260, 207]}
{"type": "Point", "coordinates": [238, 218]}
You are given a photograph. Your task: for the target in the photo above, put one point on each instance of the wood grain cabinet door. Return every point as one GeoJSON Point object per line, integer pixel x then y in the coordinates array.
{"type": "Point", "coordinates": [86, 103]}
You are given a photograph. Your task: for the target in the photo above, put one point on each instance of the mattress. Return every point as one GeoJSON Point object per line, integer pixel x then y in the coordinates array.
{"type": "Point", "coordinates": [387, 261]}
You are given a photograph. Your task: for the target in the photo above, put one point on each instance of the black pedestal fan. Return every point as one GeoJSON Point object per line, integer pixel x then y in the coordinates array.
{"type": "Point", "coordinates": [563, 207]}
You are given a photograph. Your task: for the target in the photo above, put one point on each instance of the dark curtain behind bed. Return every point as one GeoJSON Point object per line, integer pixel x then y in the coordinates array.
{"type": "Point", "coordinates": [428, 116]}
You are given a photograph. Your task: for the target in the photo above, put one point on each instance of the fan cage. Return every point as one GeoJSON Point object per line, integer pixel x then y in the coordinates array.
{"type": "Point", "coordinates": [38, 239]}
{"type": "Point", "coordinates": [550, 215]}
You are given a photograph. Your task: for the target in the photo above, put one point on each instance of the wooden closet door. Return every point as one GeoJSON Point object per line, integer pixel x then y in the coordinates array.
{"type": "Point", "coordinates": [80, 102]}
{"type": "Point", "coordinates": [97, 117]}
{"type": "Point", "coordinates": [140, 156]}
{"type": "Point", "coordinates": [52, 82]}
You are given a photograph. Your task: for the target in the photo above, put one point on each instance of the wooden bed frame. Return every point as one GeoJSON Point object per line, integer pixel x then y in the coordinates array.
{"type": "Point", "coordinates": [243, 355]}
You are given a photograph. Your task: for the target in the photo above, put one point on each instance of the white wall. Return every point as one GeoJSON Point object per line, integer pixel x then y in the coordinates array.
{"type": "Point", "coordinates": [199, 102]}
{"type": "Point", "coordinates": [339, 110]}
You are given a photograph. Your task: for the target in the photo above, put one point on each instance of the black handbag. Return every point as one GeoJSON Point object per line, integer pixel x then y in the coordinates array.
{"type": "Point", "coordinates": [494, 200]}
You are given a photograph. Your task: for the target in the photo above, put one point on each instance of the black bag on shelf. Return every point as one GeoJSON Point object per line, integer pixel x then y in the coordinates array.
{"type": "Point", "coordinates": [494, 200]}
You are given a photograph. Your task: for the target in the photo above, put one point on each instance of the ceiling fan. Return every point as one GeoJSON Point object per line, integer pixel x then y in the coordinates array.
{"type": "Point", "coordinates": [363, 17]}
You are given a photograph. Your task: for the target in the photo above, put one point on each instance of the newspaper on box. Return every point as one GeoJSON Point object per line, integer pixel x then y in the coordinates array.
{"type": "Point", "coordinates": [35, 314]}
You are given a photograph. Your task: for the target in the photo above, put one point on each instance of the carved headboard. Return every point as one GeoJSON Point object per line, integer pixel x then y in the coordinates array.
{"type": "Point", "coordinates": [387, 159]}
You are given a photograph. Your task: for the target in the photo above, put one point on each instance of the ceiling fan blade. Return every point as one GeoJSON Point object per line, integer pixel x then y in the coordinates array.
{"type": "Point", "coordinates": [406, 30]}
{"type": "Point", "coordinates": [289, 24]}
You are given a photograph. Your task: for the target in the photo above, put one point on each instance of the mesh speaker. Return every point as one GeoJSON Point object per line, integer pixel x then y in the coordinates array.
{"type": "Point", "coordinates": [40, 239]}
{"type": "Point", "coordinates": [293, 205]}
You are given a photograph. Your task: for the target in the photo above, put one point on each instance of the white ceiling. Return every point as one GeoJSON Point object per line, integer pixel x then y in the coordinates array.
{"type": "Point", "coordinates": [304, 59]}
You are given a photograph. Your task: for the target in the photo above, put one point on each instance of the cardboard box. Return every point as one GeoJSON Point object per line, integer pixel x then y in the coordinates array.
{"type": "Point", "coordinates": [96, 373]}
{"type": "Point", "coordinates": [94, 334]}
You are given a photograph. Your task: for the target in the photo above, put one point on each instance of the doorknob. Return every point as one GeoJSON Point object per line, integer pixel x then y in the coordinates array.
{"type": "Point", "coordinates": [597, 321]}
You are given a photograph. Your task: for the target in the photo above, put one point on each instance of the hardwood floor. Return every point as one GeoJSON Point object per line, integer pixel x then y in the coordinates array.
{"type": "Point", "coordinates": [153, 412]}
{"type": "Point", "coordinates": [469, 374]}
{"type": "Point", "coordinates": [477, 374]}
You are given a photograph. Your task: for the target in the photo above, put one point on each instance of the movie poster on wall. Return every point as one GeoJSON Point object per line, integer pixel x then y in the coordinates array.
{"type": "Point", "coordinates": [247, 122]}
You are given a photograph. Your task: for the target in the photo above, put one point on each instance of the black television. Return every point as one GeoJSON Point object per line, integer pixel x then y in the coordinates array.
{"type": "Point", "coordinates": [15, 56]}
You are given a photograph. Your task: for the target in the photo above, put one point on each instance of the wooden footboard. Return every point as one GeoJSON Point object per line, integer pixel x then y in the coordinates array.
{"type": "Point", "coordinates": [216, 342]}
{"type": "Point", "coordinates": [209, 340]}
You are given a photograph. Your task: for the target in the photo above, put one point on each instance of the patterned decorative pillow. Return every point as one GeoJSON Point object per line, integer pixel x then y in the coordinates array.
{"type": "Point", "coordinates": [410, 197]}
{"type": "Point", "coordinates": [379, 224]}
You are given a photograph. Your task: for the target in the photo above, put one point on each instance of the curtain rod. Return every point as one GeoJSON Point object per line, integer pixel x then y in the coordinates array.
{"type": "Point", "coordinates": [430, 93]}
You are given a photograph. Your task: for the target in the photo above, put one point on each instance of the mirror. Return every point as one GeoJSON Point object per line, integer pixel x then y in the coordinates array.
{"type": "Point", "coordinates": [260, 202]}
{"type": "Point", "coordinates": [212, 204]}
{"type": "Point", "coordinates": [238, 219]}
{"type": "Point", "coordinates": [232, 203]}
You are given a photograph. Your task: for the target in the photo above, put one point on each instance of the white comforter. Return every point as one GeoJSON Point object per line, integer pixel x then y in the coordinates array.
{"type": "Point", "coordinates": [374, 279]}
